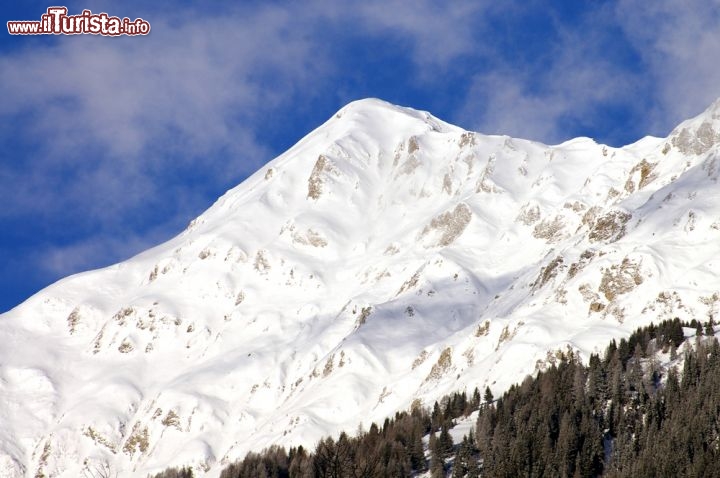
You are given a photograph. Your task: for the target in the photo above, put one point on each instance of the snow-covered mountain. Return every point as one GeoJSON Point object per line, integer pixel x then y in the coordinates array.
{"type": "Point", "coordinates": [387, 258]}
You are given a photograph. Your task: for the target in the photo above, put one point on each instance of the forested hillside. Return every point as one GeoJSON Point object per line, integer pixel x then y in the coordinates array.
{"type": "Point", "coordinates": [650, 406]}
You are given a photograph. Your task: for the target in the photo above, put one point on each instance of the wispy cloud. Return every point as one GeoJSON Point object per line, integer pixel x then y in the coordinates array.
{"type": "Point", "coordinates": [679, 42]}
{"type": "Point", "coordinates": [549, 105]}
{"type": "Point", "coordinates": [183, 87]}
{"type": "Point", "coordinates": [118, 118]}
{"type": "Point", "coordinates": [435, 34]}
{"type": "Point", "coordinates": [93, 250]}
{"type": "Point", "coordinates": [651, 61]}
{"type": "Point", "coordinates": [115, 134]}
{"type": "Point", "coordinates": [106, 129]}
{"type": "Point", "coordinates": [558, 91]}
{"type": "Point", "coordinates": [144, 103]}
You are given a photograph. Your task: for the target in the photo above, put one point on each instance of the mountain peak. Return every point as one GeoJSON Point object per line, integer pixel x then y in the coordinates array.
{"type": "Point", "coordinates": [385, 260]}
{"type": "Point", "coordinates": [372, 112]}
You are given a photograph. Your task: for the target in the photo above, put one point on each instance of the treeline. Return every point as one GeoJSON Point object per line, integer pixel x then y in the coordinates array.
{"type": "Point", "coordinates": [619, 416]}
{"type": "Point", "coordinates": [184, 472]}
{"type": "Point", "coordinates": [394, 448]}
{"type": "Point", "coordinates": [616, 417]}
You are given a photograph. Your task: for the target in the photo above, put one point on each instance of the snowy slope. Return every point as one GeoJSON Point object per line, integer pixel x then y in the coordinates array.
{"type": "Point", "coordinates": [387, 257]}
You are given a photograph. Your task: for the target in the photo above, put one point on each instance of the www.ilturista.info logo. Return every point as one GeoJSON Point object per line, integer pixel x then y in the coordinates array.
{"type": "Point", "coordinates": [57, 22]}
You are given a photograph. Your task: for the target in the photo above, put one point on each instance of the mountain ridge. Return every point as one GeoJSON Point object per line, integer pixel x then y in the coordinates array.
{"type": "Point", "coordinates": [388, 255]}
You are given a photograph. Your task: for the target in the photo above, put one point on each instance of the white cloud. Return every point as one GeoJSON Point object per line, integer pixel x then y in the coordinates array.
{"type": "Point", "coordinates": [548, 100]}
{"type": "Point", "coordinates": [113, 115]}
{"type": "Point", "coordinates": [192, 80]}
{"type": "Point", "coordinates": [116, 118]}
{"type": "Point", "coordinates": [437, 33]}
{"type": "Point", "coordinates": [675, 76]}
{"type": "Point", "coordinates": [679, 41]}
{"type": "Point", "coordinates": [94, 251]}
{"type": "Point", "coordinates": [124, 125]}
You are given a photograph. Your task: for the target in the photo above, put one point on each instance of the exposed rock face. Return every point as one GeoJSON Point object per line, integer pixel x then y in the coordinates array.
{"type": "Point", "coordinates": [450, 225]}
{"type": "Point", "coordinates": [315, 181]}
{"type": "Point", "coordinates": [696, 142]}
{"type": "Point", "coordinates": [609, 227]}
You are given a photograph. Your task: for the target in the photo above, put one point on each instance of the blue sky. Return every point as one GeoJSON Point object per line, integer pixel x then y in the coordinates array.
{"type": "Point", "coordinates": [112, 145]}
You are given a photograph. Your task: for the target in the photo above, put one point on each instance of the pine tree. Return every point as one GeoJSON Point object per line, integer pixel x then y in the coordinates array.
{"type": "Point", "coordinates": [488, 397]}
{"type": "Point", "coordinates": [710, 327]}
{"type": "Point", "coordinates": [475, 401]}
{"type": "Point", "coordinates": [436, 417]}
{"type": "Point", "coordinates": [567, 445]}
{"type": "Point", "coordinates": [300, 465]}
{"type": "Point", "coordinates": [437, 461]}
{"type": "Point", "coordinates": [416, 451]}
{"type": "Point", "coordinates": [445, 441]}
{"type": "Point", "coordinates": [463, 459]}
